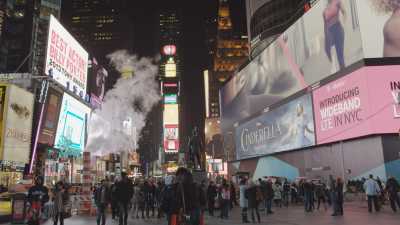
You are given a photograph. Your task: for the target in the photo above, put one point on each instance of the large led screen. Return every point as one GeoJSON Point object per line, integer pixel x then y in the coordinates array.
{"type": "Point", "coordinates": [288, 127]}
{"type": "Point", "coordinates": [171, 138]}
{"type": "Point", "coordinates": [379, 27]}
{"type": "Point", "coordinates": [324, 41]}
{"type": "Point", "coordinates": [17, 122]}
{"type": "Point", "coordinates": [66, 60]}
{"type": "Point", "coordinates": [48, 129]}
{"type": "Point", "coordinates": [361, 103]}
{"type": "Point", "coordinates": [72, 126]}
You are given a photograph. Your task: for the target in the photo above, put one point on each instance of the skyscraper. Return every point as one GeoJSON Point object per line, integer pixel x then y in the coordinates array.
{"type": "Point", "coordinates": [23, 34]}
{"type": "Point", "coordinates": [16, 35]}
{"type": "Point", "coordinates": [231, 52]}
{"type": "Point", "coordinates": [100, 26]}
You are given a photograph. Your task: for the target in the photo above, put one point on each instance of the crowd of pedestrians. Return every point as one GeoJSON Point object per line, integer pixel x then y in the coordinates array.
{"type": "Point", "coordinates": [178, 198]}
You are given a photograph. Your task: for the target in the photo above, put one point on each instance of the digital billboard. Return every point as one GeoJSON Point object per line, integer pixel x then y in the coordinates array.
{"type": "Point", "coordinates": [17, 122]}
{"type": "Point", "coordinates": [379, 27]}
{"type": "Point", "coordinates": [361, 103]}
{"type": "Point", "coordinates": [171, 128]}
{"type": "Point", "coordinates": [97, 81]}
{"type": "Point", "coordinates": [50, 118]}
{"type": "Point", "coordinates": [72, 127]}
{"type": "Point", "coordinates": [287, 127]}
{"type": "Point", "coordinates": [170, 99]}
{"type": "Point", "coordinates": [66, 60]}
{"type": "Point", "coordinates": [322, 42]}
{"type": "Point", "coordinates": [171, 138]}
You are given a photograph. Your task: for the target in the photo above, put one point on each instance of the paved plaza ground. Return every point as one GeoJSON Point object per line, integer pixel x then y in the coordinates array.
{"type": "Point", "coordinates": [355, 214]}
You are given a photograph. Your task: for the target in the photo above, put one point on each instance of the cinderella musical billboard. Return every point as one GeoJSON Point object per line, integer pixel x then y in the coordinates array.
{"type": "Point", "coordinates": [287, 127]}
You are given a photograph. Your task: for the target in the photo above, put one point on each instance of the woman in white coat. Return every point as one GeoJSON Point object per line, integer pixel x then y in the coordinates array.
{"type": "Point", "coordinates": [243, 199]}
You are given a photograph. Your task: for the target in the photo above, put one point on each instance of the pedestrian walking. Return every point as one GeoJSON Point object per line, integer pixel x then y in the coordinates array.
{"type": "Point", "coordinates": [253, 194]}
{"type": "Point", "coordinates": [233, 199]}
{"type": "Point", "coordinates": [320, 191]}
{"type": "Point", "coordinates": [149, 193]}
{"type": "Point", "coordinates": [268, 196]}
{"type": "Point", "coordinates": [340, 196]}
{"type": "Point", "coordinates": [226, 200]}
{"type": "Point", "coordinates": [278, 189]}
{"type": "Point", "coordinates": [38, 195]}
{"type": "Point", "coordinates": [392, 188]}
{"type": "Point", "coordinates": [61, 199]}
{"type": "Point", "coordinates": [169, 200]}
{"type": "Point", "coordinates": [190, 198]}
{"type": "Point", "coordinates": [102, 197]}
{"type": "Point", "coordinates": [114, 201]}
{"type": "Point", "coordinates": [243, 199]}
{"type": "Point", "coordinates": [286, 193]}
{"type": "Point", "coordinates": [308, 193]}
{"type": "Point", "coordinates": [124, 192]}
{"type": "Point", "coordinates": [211, 195]}
{"type": "Point", "coordinates": [372, 190]}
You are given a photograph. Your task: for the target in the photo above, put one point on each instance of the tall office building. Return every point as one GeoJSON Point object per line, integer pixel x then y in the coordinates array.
{"type": "Point", "coordinates": [231, 52]}
{"type": "Point", "coordinates": [23, 34]}
{"type": "Point", "coordinates": [170, 76]}
{"type": "Point", "coordinates": [100, 26]}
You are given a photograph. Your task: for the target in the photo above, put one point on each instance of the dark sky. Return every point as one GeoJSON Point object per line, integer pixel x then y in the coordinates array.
{"type": "Point", "coordinates": [194, 55]}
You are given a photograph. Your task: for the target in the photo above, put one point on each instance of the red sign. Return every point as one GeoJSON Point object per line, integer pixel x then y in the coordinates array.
{"type": "Point", "coordinates": [171, 138]}
{"type": "Point", "coordinates": [169, 50]}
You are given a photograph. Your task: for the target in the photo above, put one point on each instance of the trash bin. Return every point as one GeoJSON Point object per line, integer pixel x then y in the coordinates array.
{"type": "Point", "coordinates": [19, 206]}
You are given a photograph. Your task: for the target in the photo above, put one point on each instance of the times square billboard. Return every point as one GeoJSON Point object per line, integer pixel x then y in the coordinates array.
{"type": "Point", "coordinates": [66, 59]}
{"type": "Point", "coordinates": [322, 43]}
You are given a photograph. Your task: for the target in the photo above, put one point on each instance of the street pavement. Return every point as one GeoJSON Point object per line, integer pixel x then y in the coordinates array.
{"type": "Point", "coordinates": [355, 214]}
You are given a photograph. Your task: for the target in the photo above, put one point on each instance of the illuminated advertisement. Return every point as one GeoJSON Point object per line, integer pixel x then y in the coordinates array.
{"type": "Point", "coordinates": [170, 68]}
{"type": "Point", "coordinates": [97, 81]}
{"type": "Point", "coordinates": [17, 124]}
{"type": "Point", "coordinates": [171, 128]}
{"type": "Point", "coordinates": [72, 126]}
{"type": "Point", "coordinates": [169, 50]}
{"type": "Point", "coordinates": [379, 28]}
{"type": "Point", "coordinates": [171, 138]}
{"type": "Point", "coordinates": [66, 60]}
{"type": "Point", "coordinates": [361, 103]}
{"type": "Point", "coordinates": [170, 99]}
{"type": "Point", "coordinates": [50, 118]}
{"type": "Point", "coordinates": [319, 44]}
{"type": "Point", "coordinates": [287, 127]}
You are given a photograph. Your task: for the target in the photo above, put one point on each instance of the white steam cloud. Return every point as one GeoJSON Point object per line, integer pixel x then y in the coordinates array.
{"type": "Point", "coordinates": [117, 125]}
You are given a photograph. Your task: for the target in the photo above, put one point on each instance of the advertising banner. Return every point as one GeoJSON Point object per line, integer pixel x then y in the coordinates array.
{"type": "Point", "coordinates": [288, 127]}
{"type": "Point", "coordinates": [50, 119]}
{"type": "Point", "coordinates": [171, 138]}
{"type": "Point", "coordinates": [361, 103]}
{"type": "Point", "coordinates": [379, 27]}
{"type": "Point", "coordinates": [66, 60]}
{"type": "Point", "coordinates": [97, 81]}
{"type": "Point", "coordinates": [321, 43]}
{"type": "Point", "coordinates": [18, 125]}
{"type": "Point", "coordinates": [72, 127]}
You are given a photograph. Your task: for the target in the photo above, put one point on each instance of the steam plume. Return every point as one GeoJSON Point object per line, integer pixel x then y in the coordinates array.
{"type": "Point", "coordinates": [117, 125]}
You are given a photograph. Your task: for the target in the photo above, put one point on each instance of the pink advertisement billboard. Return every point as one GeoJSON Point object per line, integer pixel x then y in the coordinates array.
{"type": "Point", "coordinates": [361, 103]}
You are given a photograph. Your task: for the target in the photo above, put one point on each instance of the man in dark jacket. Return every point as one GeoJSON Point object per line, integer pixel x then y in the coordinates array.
{"type": "Point", "coordinates": [392, 187]}
{"type": "Point", "coordinates": [114, 202]}
{"type": "Point", "coordinates": [102, 197]}
{"type": "Point", "coordinates": [169, 199]}
{"type": "Point", "coordinates": [38, 195]}
{"type": "Point", "coordinates": [269, 196]}
{"type": "Point", "coordinates": [124, 193]}
{"type": "Point", "coordinates": [211, 195]}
